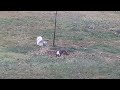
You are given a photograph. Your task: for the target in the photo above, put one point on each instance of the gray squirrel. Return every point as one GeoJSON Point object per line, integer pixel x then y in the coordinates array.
{"type": "Point", "coordinates": [61, 52]}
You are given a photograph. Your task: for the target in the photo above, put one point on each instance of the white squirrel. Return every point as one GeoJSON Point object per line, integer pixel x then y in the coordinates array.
{"type": "Point", "coordinates": [40, 41]}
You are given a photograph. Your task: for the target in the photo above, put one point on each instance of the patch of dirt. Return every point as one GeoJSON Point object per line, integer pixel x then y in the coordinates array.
{"type": "Point", "coordinates": [41, 51]}
{"type": "Point", "coordinates": [46, 51]}
{"type": "Point", "coordinates": [75, 54]}
{"type": "Point", "coordinates": [64, 43]}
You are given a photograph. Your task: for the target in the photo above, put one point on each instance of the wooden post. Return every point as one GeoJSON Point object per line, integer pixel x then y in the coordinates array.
{"type": "Point", "coordinates": [54, 29]}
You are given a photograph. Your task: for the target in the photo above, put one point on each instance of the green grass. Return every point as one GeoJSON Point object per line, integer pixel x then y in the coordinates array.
{"type": "Point", "coordinates": [104, 35]}
{"type": "Point", "coordinates": [107, 48]}
{"type": "Point", "coordinates": [19, 49]}
{"type": "Point", "coordinates": [18, 39]}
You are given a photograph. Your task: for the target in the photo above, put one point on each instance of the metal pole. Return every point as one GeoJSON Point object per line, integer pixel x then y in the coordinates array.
{"type": "Point", "coordinates": [54, 29]}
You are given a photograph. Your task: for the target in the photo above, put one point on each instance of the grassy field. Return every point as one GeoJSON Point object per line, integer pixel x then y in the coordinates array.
{"type": "Point", "coordinates": [89, 35]}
